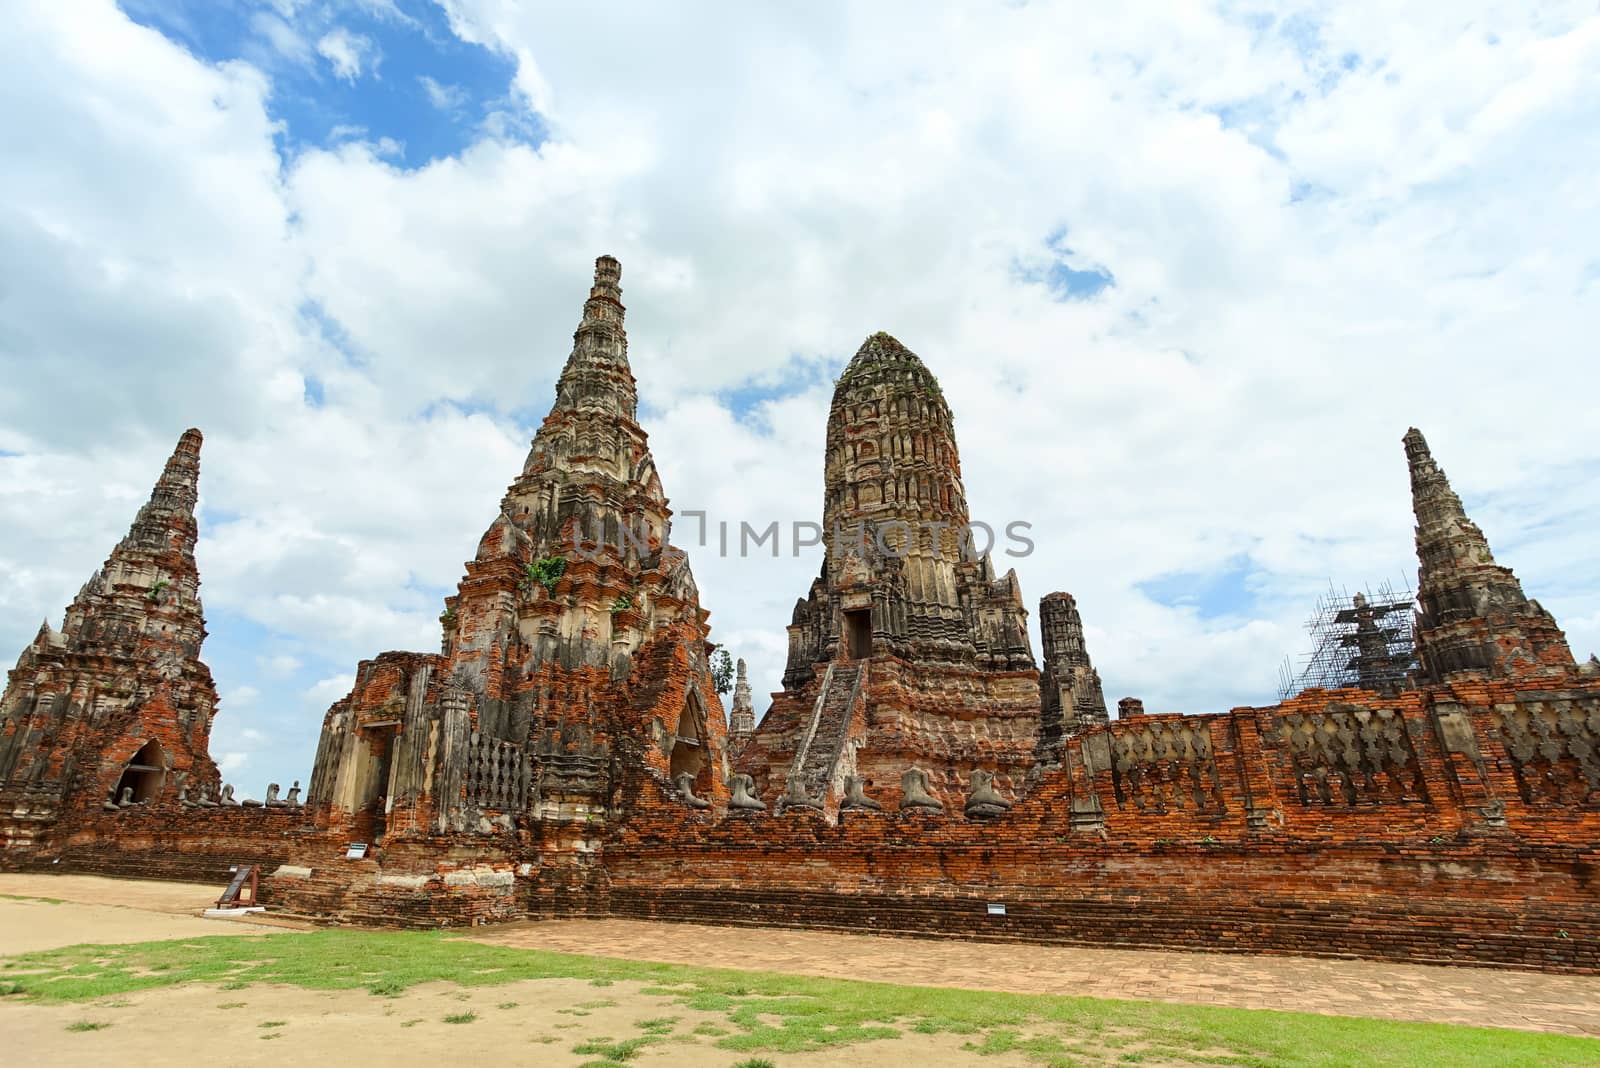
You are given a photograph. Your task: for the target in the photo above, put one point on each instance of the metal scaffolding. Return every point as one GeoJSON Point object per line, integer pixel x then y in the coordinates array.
{"type": "Point", "coordinates": [1361, 640]}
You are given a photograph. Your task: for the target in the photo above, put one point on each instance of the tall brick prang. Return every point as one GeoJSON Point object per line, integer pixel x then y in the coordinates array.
{"type": "Point", "coordinates": [1474, 617]}
{"type": "Point", "coordinates": [908, 650]}
{"type": "Point", "coordinates": [117, 699]}
{"type": "Point", "coordinates": [573, 679]}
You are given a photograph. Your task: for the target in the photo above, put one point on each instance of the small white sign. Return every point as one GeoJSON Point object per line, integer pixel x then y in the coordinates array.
{"type": "Point", "coordinates": [996, 910]}
{"type": "Point", "coordinates": [356, 851]}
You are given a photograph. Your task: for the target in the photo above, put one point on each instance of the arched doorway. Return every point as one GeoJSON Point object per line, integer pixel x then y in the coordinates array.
{"type": "Point", "coordinates": [688, 747]}
{"type": "Point", "coordinates": [146, 773]}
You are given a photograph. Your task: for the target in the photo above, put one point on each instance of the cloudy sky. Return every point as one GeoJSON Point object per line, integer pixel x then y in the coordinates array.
{"type": "Point", "coordinates": [1186, 272]}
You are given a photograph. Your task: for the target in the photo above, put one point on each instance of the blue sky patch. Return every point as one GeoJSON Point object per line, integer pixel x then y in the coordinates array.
{"type": "Point", "coordinates": [399, 80]}
{"type": "Point", "coordinates": [331, 331]}
{"type": "Point", "coordinates": [1226, 591]}
{"type": "Point", "coordinates": [1077, 285]}
{"type": "Point", "coordinates": [796, 376]}
{"type": "Point", "coordinates": [1068, 275]}
{"type": "Point", "coordinates": [1067, 282]}
{"type": "Point", "coordinates": [263, 677]}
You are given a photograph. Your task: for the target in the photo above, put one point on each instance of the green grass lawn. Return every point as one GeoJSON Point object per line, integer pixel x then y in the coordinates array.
{"type": "Point", "coordinates": [773, 1014]}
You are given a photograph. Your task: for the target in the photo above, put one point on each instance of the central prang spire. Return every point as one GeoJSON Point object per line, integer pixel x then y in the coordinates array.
{"type": "Point", "coordinates": [891, 448]}
{"type": "Point", "coordinates": [597, 373]}
{"type": "Point", "coordinates": [908, 650]}
{"type": "Point", "coordinates": [590, 468]}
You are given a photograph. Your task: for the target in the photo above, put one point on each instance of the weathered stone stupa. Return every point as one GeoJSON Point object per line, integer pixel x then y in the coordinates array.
{"type": "Point", "coordinates": [116, 706]}
{"type": "Point", "coordinates": [1071, 697]}
{"type": "Point", "coordinates": [573, 665]}
{"type": "Point", "coordinates": [1474, 617]}
{"type": "Point", "coordinates": [908, 649]}
{"type": "Point", "coordinates": [742, 716]}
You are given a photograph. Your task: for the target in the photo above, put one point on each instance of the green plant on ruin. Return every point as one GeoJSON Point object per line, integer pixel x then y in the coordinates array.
{"type": "Point", "coordinates": [156, 590]}
{"type": "Point", "coordinates": [622, 603]}
{"type": "Point", "coordinates": [545, 571]}
{"type": "Point", "coordinates": [721, 670]}
{"type": "Point", "coordinates": [448, 617]}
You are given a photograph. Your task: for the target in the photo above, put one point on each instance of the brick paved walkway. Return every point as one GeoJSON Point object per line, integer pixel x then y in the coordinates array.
{"type": "Point", "coordinates": [1484, 996]}
{"type": "Point", "coordinates": [116, 910]}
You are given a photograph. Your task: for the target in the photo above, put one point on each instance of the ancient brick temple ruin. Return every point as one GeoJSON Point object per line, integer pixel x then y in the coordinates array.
{"type": "Point", "coordinates": [573, 679]}
{"type": "Point", "coordinates": [115, 708]}
{"type": "Point", "coordinates": [566, 752]}
{"type": "Point", "coordinates": [908, 651]}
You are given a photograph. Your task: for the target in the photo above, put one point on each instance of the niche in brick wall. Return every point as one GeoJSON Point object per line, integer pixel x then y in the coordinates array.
{"type": "Point", "coordinates": [146, 773]}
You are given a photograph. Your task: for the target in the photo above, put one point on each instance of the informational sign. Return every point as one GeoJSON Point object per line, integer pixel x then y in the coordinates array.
{"type": "Point", "coordinates": [355, 851]}
{"type": "Point", "coordinates": [996, 910]}
{"type": "Point", "coordinates": [231, 894]}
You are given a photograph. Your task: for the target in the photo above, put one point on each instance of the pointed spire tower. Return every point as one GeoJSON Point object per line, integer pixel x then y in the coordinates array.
{"type": "Point", "coordinates": [1474, 617]}
{"type": "Point", "coordinates": [574, 651]}
{"type": "Point", "coordinates": [124, 672]}
{"type": "Point", "coordinates": [597, 375]}
{"type": "Point", "coordinates": [151, 574]}
{"type": "Point", "coordinates": [577, 530]}
{"type": "Point", "coordinates": [589, 476]}
{"type": "Point", "coordinates": [742, 717]}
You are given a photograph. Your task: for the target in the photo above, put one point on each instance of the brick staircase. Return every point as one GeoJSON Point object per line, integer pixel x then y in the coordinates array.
{"type": "Point", "coordinates": [830, 723]}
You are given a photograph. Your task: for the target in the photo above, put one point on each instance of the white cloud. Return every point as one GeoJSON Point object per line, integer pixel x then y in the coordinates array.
{"type": "Point", "coordinates": [349, 54]}
{"type": "Point", "coordinates": [442, 96]}
{"type": "Point", "coordinates": [329, 690]}
{"type": "Point", "coordinates": [281, 37]}
{"type": "Point", "coordinates": [1317, 240]}
{"type": "Point", "coordinates": [241, 696]}
{"type": "Point", "coordinates": [281, 665]}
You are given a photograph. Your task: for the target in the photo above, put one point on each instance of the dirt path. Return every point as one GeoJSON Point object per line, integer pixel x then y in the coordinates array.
{"type": "Point", "coordinates": [1486, 997]}
{"type": "Point", "coordinates": [148, 894]}
{"type": "Point", "coordinates": [92, 909]}
{"type": "Point", "coordinates": [115, 910]}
